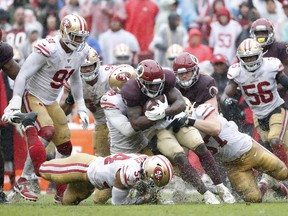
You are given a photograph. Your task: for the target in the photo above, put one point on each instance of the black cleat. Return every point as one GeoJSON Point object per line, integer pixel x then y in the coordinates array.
{"type": "Point", "coordinates": [3, 199]}
{"type": "Point", "coordinates": [24, 118]}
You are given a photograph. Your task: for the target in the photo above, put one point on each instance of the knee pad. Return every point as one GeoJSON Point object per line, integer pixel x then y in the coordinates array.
{"type": "Point", "coordinates": [65, 148]}
{"type": "Point", "coordinates": [47, 133]}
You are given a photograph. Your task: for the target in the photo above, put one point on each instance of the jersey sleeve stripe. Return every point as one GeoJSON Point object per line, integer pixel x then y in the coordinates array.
{"type": "Point", "coordinates": [106, 105]}
{"type": "Point", "coordinates": [44, 51]}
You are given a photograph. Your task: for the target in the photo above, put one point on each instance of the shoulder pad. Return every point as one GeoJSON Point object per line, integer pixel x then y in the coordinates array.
{"type": "Point", "coordinates": [202, 111]}
{"type": "Point", "coordinates": [274, 63]}
{"type": "Point", "coordinates": [107, 101]}
{"type": "Point", "coordinates": [45, 46]}
{"type": "Point", "coordinates": [233, 71]}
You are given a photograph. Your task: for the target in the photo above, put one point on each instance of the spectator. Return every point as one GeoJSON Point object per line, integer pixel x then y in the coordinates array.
{"type": "Point", "coordinates": [141, 17]}
{"type": "Point", "coordinates": [166, 7]}
{"type": "Point", "coordinates": [102, 11]}
{"type": "Point", "coordinates": [168, 34]}
{"type": "Point", "coordinates": [16, 36]}
{"type": "Point", "coordinates": [115, 35]}
{"type": "Point", "coordinates": [4, 20]}
{"type": "Point", "coordinates": [224, 33]}
{"type": "Point", "coordinates": [33, 35]}
{"type": "Point", "coordinates": [195, 46]}
{"type": "Point", "coordinates": [50, 26]}
{"type": "Point", "coordinates": [281, 28]}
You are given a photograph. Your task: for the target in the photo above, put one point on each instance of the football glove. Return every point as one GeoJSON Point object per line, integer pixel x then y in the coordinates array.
{"type": "Point", "coordinates": [13, 107]}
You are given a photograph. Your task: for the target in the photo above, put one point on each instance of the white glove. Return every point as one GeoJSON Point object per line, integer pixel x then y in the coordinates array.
{"type": "Point", "coordinates": [84, 119]}
{"type": "Point", "coordinates": [158, 111]}
{"type": "Point", "coordinates": [82, 113]}
{"type": "Point", "coordinates": [13, 107]}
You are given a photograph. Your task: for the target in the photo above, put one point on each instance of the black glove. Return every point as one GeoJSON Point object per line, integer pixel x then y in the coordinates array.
{"type": "Point", "coordinates": [177, 124]}
{"type": "Point", "coordinates": [230, 102]}
{"type": "Point", "coordinates": [70, 100]}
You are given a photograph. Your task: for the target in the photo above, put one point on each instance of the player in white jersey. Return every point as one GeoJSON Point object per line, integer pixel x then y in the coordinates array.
{"type": "Point", "coordinates": [238, 151]}
{"type": "Point", "coordinates": [257, 78]}
{"type": "Point", "coordinates": [123, 138]}
{"type": "Point", "coordinates": [83, 172]}
{"type": "Point", "coordinates": [38, 84]}
{"type": "Point", "coordinates": [95, 84]}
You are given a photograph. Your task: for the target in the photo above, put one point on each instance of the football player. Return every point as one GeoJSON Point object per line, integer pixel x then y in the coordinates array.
{"type": "Point", "coordinates": [11, 68]}
{"type": "Point", "coordinates": [239, 153]}
{"type": "Point", "coordinates": [122, 54]}
{"type": "Point", "coordinates": [257, 78]}
{"type": "Point", "coordinates": [123, 138]}
{"type": "Point", "coordinates": [83, 172]}
{"type": "Point", "coordinates": [150, 82]}
{"type": "Point", "coordinates": [198, 88]}
{"type": "Point", "coordinates": [39, 83]}
{"type": "Point", "coordinates": [95, 85]}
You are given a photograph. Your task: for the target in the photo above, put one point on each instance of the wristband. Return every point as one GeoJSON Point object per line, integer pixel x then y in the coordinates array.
{"type": "Point", "coordinates": [190, 121]}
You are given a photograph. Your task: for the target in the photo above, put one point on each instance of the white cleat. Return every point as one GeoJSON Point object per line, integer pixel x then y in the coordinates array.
{"type": "Point", "coordinates": [210, 198]}
{"type": "Point", "coordinates": [225, 194]}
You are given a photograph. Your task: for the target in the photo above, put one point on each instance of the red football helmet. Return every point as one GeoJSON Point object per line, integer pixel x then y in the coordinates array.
{"type": "Point", "coordinates": [185, 63]}
{"type": "Point", "coordinates": [262, 24]}
{"type": "Point", "coordinates": [151, 77]}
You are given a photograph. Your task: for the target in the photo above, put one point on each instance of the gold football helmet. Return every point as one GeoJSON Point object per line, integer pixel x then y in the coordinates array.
{"type": "Point", "coordinates": [120, 75]}
{"type": "Point", "coordinates": [91, 59]}
{"type": "Point", "coordinates": [122, 54]}
{"type": "Point", "coordinates": [73, 31]}
{"type": "Point", "coordinates": [173, 51]}
{"type": "Point", "coordinates": [159, 169]}
{"type": "Point", "coordinates": [250, 48]}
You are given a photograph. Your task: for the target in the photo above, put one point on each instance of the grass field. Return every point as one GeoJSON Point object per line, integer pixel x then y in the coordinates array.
{"type": "Point", "coordinates": [45, 206]}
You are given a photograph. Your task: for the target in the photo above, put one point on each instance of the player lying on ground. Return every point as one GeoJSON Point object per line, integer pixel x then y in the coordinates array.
{"type": "Point", "coordinates": [83, 172]}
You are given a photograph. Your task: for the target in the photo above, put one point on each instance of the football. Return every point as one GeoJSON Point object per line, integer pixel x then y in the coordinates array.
{"type": "Point", "coordinates": [150, 103]}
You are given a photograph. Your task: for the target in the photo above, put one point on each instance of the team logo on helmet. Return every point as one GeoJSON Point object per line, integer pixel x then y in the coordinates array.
{"type": "Point", "coordinates": [67, 23]}
{"type": "Point", "coordinates": [158, 173]}
{"type": "Point", "coordinates": [213, 91]}
{"type": "Point", "coordinates": [125, 76]}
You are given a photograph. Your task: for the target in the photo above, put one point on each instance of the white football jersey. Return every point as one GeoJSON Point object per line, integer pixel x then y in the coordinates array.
{"type": "Point", "coordinates": [123, 138]}
{"type": "Point", "coordinates": [92, 94]}
{"type": "Point", "coordinates": [47, 83]}
{"type": "Point", "coordinates": [259, 88]}
{"type": "Point", "coordinates": [230, 144]}
{"type": "Point", "coordinates": [102, 171]}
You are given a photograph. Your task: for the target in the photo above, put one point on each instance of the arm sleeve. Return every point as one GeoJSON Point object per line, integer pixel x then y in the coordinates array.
{"type": "Point", "coordinates": [76, 86]}
{"type": "Point", "coordinates": [283, 80]}
{"type": "Point", "coordinates": [32, 65]}
{"type": "Point", "coordinates": [120, 197]}
{"type": "Point", "coordinates": [119, 121]}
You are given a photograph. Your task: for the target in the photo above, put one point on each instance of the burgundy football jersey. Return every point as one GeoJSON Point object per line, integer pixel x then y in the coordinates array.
{"type": "Point", "coordinates": [277, 50]}
{"type": "Point", "coordinates": [203, 90]}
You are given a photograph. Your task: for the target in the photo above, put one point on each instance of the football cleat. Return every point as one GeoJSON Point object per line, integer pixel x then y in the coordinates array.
{"type": "Point", "coordinates": [210, 198]}
{"type": "Point", "coordinates": [58, 199]}
{"type": "Point", "coordinates": [225, 194]}
{"type": "Point", "coordinates": [22, 187]}
{"type": "Point", "coordinates": [3, 198]}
